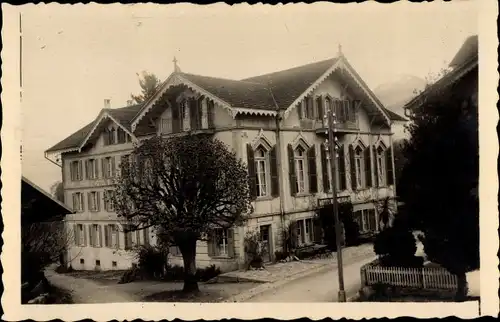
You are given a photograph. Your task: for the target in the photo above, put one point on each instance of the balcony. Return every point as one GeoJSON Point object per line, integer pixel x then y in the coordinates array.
{"type": "Point", "coordinates": [168, 125]}
{"type": "Point", "coordinates": [342, 126]}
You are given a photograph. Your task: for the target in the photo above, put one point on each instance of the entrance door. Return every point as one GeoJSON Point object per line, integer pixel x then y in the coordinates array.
{"type": "Point", "coordinates": [265, 239]}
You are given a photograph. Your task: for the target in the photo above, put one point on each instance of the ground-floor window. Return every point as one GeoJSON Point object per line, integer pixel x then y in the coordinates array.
{"type": "Point", "coordinates": [111, 238]}
{"type": "Point", "coordinates": [221, 243]}
{"type": "Point", "coordinates": [366, 220]}
{"type": "Point", "coordinates": [95, 235]}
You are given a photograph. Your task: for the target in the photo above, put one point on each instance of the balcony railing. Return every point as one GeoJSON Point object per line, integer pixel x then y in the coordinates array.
{"type": "Point", "coordinates": [168, 125]}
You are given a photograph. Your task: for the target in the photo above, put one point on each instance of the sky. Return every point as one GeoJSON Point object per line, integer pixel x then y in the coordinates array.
{"type": "Point", "coordinates": [75, 56]}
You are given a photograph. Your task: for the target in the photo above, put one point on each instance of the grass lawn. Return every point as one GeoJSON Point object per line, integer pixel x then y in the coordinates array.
{"type": "Point", "coordinates": [101, 277]}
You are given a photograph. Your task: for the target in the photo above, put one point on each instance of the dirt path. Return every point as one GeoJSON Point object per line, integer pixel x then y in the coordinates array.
{"type": "Point", "coordinates": [88, 291]}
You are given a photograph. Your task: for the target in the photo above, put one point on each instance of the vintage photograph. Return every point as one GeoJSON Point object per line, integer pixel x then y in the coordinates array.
{"type": "Point", "coordinates": [249, 154]}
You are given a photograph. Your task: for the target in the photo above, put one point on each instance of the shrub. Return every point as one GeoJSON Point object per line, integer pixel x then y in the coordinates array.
{"type": "Point", "coordinates": [152, 260]}
{"type": "Point", "coordinates": [396, 246]}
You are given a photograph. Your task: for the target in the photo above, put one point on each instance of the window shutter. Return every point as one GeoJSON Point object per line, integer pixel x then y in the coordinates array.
{"type": "Point", "coordinates": [82, 203]}
{"type": "Point", "coordinates": [84, 235]}
{"type": "Point", "coordinates": [375, 183]}
{"type": "Point", "coordinates": [210, 245]}
{"type": "Point", "coordinates": [117, 231]}
{"type": "Point", "coordinates": [71, 171]}
{"type": "Point", "coordinates": [87, 172]}
{"type": "Point", "coordinates": [126, 239]}
{"type": "Point", "coordinates": [291, 171]}
{"type": "Point", "coordinates": [230, 242]}
{"type": "Point", "coordinates": [80, 170]}
{"type": "Point", "coordinates": [313, 178]}
{"type": "Point", "coordinates": [353, 167]}
{"type": "Point", "coordinates": [319, 104]}
{"type": "Point", "coordinates": [103, 166]}
{"type": "Point", "coordinates": [99, 228]}
{"type": "Point", "coordinates": [275, 185]}
{"type": "Point", "coordinates": [75, 234]}
{"type": "Point", "coordinates": [113, 166]}
{"type": "Point", "coordinates": [368, 167]}
{"type": "Point", "coordinates": [107, 236]}
{"type": "Point", "coordinates": [390, 171]}
{"type": "Point", "coordinates": [299, 110]}
{"type": "Point", "coordinates": [89, 200]}
{"type": "Point", "coordinates": [210, 111]}
{"type": "Point", "coordinates": [324, 169]}
{"type": "Point", "coordinates": [98, 201]}
{"type": "Point", "coordinates": [342, 173]}
{"type": "Point", "coordinates": [91, 235]}
{"type": "Point", "coordinates": [75, 204]}
{"type": "Point", "coordinates": [252, 182]}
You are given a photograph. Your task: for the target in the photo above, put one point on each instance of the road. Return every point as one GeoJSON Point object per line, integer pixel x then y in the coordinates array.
{"type": "Point", "coordinates": [320, 287]}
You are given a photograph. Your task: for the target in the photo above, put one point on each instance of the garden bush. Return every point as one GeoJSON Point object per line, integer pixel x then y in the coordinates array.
{"type": "Point", "coordinates": [280, 255]}
{"type": "Point", "coordinates": [396, 246]}
{"type": "Point", "coordinates": [152, 260]}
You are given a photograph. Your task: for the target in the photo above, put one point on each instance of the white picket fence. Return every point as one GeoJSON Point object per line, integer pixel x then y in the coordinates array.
{"type": "Point", "coordinates": [428, 278]}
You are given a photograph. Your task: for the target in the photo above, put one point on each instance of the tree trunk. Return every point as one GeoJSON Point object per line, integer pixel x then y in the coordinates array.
{"type": "Point", "coordinates": [188, 250]}
{"type": "Point", "coordinates": [461, 288]}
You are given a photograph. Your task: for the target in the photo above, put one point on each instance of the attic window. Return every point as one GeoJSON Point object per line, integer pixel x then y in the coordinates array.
{"type": "Point", "coordinates": [121, 135]}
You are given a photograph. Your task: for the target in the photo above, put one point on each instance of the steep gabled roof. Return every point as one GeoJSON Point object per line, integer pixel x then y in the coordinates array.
{"type": "Point", "coordinates": [123, 115]}
{"type": "Point", "coordinates": [245, 94]}
{"type": "Point", "coordinates": [287, 85]}
{"type": "Point", "coordinates": [394, 116]}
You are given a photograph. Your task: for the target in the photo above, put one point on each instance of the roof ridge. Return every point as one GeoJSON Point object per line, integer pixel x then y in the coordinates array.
{"type": "Point", "coordinates": [291, 68]}
{"type": "Point", "coordinates": [222, 78]}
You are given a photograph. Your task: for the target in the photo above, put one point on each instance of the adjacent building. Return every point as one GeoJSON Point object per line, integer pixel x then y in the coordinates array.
{"type": "Point", "coordinates": [275, 122]}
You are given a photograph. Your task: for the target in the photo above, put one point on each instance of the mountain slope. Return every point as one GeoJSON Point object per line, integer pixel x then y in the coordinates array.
{"type": "Point", "coordinates": [396, 93]}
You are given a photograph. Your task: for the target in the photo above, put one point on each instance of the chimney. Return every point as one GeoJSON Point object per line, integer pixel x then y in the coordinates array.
{"type": "Point", "coordinates": [107, 103]}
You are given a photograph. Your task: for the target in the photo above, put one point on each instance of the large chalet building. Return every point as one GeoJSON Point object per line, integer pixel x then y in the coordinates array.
{"type": "Point", "coordinates": [274, 122]}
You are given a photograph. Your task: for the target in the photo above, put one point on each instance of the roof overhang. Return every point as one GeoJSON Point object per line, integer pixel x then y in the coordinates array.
{"type": "Point", "coordinates": [252, 111]}
{"type": "Point", "coordinates": [42, 206]}
{"type": "Point", "coordinates": [94, 132]}
{"type": "Point", "coordinates": [447, 80]}
{"type": "Point", "coordinates": [176, 79]}
{"type": "Point", "coordinates": [344, 66]}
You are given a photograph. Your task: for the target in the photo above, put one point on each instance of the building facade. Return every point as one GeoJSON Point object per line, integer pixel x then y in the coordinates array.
{"type": "Point", "coordinates": [275, 122]}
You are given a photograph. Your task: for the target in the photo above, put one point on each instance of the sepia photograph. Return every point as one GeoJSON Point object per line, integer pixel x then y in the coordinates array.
{"type": "Point", "coordinates": [244, 154]}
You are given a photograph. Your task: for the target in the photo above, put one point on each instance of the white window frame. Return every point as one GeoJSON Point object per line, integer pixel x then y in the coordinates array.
{"type": "Point", "coordinates": [262, 171]}
{"type": "Point", "coordinates": [108, 168]}
{"type": "Point", "coordinates": [305, 231]}
{"type": "Point", "coordinates": [301, 184]}
{"type": "Point", "coordinates": [108, 202]}
{"type": "Point", "coordinates": [359, 160]}
{"type": "Point", "coordinates": [96, 242]}
{"type": "Point", "coordinates": [81, 235]}
{"type": "Point", "coordinates": [114, 232]}
{"type": "Point", "coordinates": [381, 171]}
{"type": "Point", "coordinates": [75, 171]}
{"type": "Point", "coordinates": [79, 202]}
{"type": "Point", "coordinates": [221, 242]}
{"type": "Point", "coordinates": [92, 166]}
{"type": "Point", "coordinates": [94, 201]}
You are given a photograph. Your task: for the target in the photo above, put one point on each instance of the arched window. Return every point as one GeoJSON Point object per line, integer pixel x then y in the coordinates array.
{"type": "Point", "coordinates": [359, 166]}
{"type": "Point", "coordinates": [300, 168]}
{"type": "Point", "coordinates": [381, 171]}
{"type": "Point", "coordinates": [262, 173]}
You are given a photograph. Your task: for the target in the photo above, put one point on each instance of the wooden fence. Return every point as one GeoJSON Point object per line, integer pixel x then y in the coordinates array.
{"type": "Point", "coordinates": [427, 278]}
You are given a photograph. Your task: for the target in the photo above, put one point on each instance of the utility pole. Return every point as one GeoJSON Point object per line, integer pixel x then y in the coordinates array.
{"type": "Point", "coordinates": [332, 148]}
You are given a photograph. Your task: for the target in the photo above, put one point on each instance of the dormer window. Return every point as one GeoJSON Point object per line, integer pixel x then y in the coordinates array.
{"type": "Point", "coordinates": [381, 171]}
